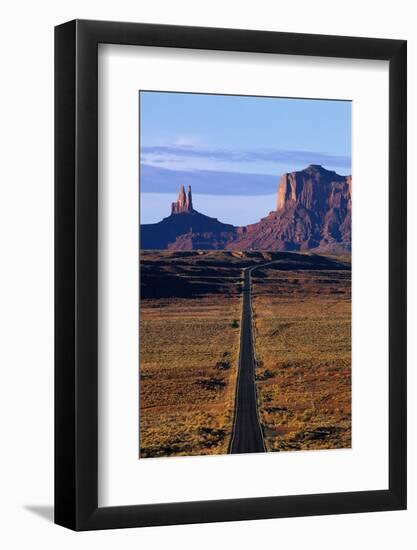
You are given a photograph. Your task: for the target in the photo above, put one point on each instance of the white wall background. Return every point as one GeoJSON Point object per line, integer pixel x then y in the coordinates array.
{"type": "Point", "coordinates": [26, 288]}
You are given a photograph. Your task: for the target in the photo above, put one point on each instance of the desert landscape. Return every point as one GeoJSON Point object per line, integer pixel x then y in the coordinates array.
{"type": "Point", "coordinates": [245, 278]}
{"type": "Point", "coordinates": [190, 324]}
{"type": "Point", "coordinates": [302, 319]}
{"type": "Point", "coordinates": [189, 346]}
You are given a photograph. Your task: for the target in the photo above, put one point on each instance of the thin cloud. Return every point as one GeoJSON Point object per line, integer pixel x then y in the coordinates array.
{"type": "Point", "coordinates": [158, 153]}
{"type": "Point", "coordinates": [187, 141]}
{"type": "Point", "coordinates": [155, 179]}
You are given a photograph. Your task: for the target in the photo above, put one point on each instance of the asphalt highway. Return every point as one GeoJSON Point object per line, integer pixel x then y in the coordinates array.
{"type": "Point", "coordinates": [247, 434]}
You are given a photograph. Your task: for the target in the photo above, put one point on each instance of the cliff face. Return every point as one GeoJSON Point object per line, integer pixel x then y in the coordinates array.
{"type": "Point", "coordinates": [316, 204]}
{"type": "Point", "coordinates": [313, 211]}
{"type": "Point", "coordinates": [314, 188]}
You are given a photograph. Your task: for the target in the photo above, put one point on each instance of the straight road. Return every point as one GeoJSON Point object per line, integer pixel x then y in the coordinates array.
{"type": "Point", "coordinates": [247, 434]}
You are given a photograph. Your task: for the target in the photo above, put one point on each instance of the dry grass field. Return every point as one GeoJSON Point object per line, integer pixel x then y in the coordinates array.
{"type": "Point", "coordinates": [189, 345]}
{"type": "Point", "coordinates": [302, 321]}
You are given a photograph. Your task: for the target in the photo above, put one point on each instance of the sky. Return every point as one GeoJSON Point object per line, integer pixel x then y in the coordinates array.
{"type": "Point", "coordinates": [234, 149]}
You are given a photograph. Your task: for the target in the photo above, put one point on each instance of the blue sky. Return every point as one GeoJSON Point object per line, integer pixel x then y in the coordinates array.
{"type": "Point", "coordinates": [236, 144]}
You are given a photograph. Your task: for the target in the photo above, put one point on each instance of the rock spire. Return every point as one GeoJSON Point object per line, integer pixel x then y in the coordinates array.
{"type": "Point", "coordinates": [184, 204]}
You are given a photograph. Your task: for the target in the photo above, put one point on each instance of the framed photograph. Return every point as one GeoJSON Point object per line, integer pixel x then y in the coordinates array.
{"type": "Point", "coordinates": [230, 275]}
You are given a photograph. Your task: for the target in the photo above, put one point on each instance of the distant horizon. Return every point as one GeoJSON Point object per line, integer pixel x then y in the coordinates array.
{"type": "Point", "coordinates": [230, 209]}
{"type": "Point", "coordinates": [236, 147]}
{"type": "Point", "coordinates": [165, 180]}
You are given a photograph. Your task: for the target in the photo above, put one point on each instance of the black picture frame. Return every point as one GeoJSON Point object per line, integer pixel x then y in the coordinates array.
{"type": "Point", "coordinates": [76, 272]}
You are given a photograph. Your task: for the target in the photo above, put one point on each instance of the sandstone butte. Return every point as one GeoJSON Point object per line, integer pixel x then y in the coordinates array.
{"type": "Point", "coordinates": [313, 212]}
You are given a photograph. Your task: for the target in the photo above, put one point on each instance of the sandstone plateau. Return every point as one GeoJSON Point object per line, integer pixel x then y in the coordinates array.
{"type": "Point", "coordinates": [313, 212]}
